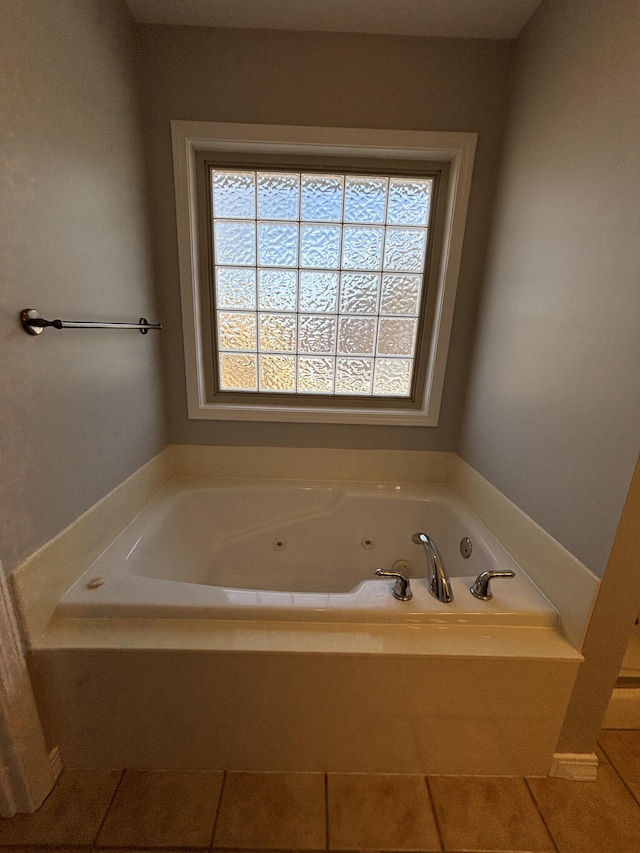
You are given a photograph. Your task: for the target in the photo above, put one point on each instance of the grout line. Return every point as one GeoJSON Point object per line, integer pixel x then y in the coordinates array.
{"type": "Point", "coordinates": [617, 772]}
{"type": "Point", "coordinates": [432, 802]}
{"type": "Point", "coordinates": [218, 807]}
{"type": "Point", "coordinates": [542, 817]}
{"type": "Point", "coordinates": [326, 810]}
{"type": "Point", "coordinates": [106, 811]}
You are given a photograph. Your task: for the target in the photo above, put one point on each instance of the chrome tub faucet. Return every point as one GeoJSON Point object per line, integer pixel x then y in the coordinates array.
{"type": "Point", "coordinates": [438, 580]}
{"type": "Point", "coordinates": [402, 589]}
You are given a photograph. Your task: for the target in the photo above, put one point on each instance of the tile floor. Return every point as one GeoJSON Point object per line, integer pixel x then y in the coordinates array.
{"type": "Point", "coordinates": [145, 811]}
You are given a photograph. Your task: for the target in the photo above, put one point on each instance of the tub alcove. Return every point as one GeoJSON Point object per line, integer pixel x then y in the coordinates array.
{"type": "Point", "coordinates": [171, 630]}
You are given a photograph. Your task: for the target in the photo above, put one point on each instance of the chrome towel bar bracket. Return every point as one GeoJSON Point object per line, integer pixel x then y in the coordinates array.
{"type": "Point", "coordinates": [34, 323]}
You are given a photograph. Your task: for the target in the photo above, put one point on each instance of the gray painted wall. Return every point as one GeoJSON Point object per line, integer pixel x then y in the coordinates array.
{"type": "Point", "coordinates": [330, 80]}
{"type": "Point", "coordinates": [79, 410]}
{"type": "Point", "coordinates": [553, 406]}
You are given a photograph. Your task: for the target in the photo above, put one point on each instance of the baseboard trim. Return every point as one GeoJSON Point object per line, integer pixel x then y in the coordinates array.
{"type": "Point", "coordinates": [579, 767]}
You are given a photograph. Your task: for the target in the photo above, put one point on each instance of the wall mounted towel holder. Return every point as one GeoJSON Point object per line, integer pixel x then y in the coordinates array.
{"type": "Point", "coordinates": [34, 323]}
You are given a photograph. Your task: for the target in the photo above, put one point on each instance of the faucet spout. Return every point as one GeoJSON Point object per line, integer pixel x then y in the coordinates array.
{"type": "Point", "coordinates": [438, 579]}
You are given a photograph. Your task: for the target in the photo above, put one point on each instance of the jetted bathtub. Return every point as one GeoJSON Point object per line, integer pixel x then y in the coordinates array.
{"type": "Point", "coordinates": [291, 551]}
{"type": "Point", "coordinates": [240, 625]}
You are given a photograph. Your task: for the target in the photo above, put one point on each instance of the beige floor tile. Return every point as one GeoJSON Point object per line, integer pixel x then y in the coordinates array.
{"type": "Point", "coordinates": [589, 817]}
{"type": "Point", "coordinates": [622, 748]}
{"type": "Point", "coordinates": [272, 811]}
{"type": "Point", "coordinates": [380, 812]}
{"type": "Point", "coordinates": [71, 814]}
{"type": "Point", "coordinates": [487, 814]}
{"type": "Point", "coordinates": [162, 809]}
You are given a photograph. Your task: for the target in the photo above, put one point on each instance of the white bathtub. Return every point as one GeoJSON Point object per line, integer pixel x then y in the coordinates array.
{"type": "Point", "coordinates": [299, 552]}
{"type": "Point", "coordinates": [239, 625]}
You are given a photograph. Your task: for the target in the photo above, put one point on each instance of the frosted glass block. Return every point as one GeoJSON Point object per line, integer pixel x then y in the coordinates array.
{"type": "Point", "coordinates": [400, 294]}
{"type": "Point", "coordinates": [277, 289]}
{"type": "Point", "coordinates": [277, 244]}
{"type": "Point", "coordinates": [236, 331]}
{"type": "Point", "coordinates": [316, 333]}
{"type": "Point", "coordinates": [278, 195]}
{"type": "Point", "coordinates": [234, 195]}
{"type": "Point", "coordinates": [396, 336]}
{"type": "Point", "coordinates": [392, 377]}
{"type": "Point", "coordinates": [322, 198]}
{"type": "Point", "coordinates": [356, 335]}
{"type": "Point", "coordinates": [409, 200]}
{"type": "Point", "coordinates": [318, 292]}
{"type": "Point", "coordinates": [277, 332]}
{"type": "Point", "coordinates": [277, 373]}
{"type": "Point", "coordinates": [354, 375]}
{"type": "Point", "coordinates": [236, 287]}
{"type": "Point", "coordinates": [359, 293]}
{"type": "Point", "coordinates": [365, 199]}
{"type": "Point", "coordinates": [238, 372]}
{"type": "Point", "coordinates": [320, 246]}
{"type": "Point", "coordinates": [362, 248]}
{"type": "Point", "coordinates": [315, 375]}
{"type": "Point", "coordinates": [235, 243]}
{"type": "Point", "coordinates": [404, 249]}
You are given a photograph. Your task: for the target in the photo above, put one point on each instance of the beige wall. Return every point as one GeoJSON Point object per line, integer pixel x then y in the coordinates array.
{"type": "Point", "coordinates": [80, 410]}
{"type": "Point", "coordinates": [330, 80]}
{"type": "Point", "coordinates": [553, 404]}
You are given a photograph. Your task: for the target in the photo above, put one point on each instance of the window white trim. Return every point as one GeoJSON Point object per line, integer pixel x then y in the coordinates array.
{"type": "Point", "coordinates": [189, 138]}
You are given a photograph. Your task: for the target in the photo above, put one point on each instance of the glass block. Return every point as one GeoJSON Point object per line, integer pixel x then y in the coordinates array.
{"type": "Point", "coordinates": [236, 331]}
{"type": "Point", "coordinates": [320, 246]}
{"type": "Point", "coordinates": [277, 244]}
{"type": "Point", "coordinates": [392, 377]}
{"type": "Point", "coordinates": [277, 289]}
{"type": "Point", "coordinates": [396, 336]}
{"type": "Point", "coordinates": [359, 293]}
{"type": "Point", "coordinates": [277, 332]}
{"type": "Point", "coordinates": [315, 375]}
{"type": "Point", "coordinates": [362, 248]}
{"type": "Point", "coordinates": [400, 294]}
{"type": "Point", "coordinates": [409, 200]}
{"type": "Point", "coordinates": [236, 287]}
{"type": "Point", "coordinates": [404, 249]}
{"type": "Point", "coordinates": [322, 198]}
{"type": "Point", "coordinates": [234, 195]}
{"type": "Point", "coordinates": [277, 373]}
{"type": "Point", "coordinates": [318, 291]}
{"type": "Point", "coordinates": [235, 243]}
{"type": "Point", "coordinates": [238, 372]}
{"type": "Point", "coordinates": [278, 195]}
{"type": "Point", "coordinates": [316, 333]}
{"type": "Point", "coordinates": [356, 335]}
{"type": "Point", "coordinates": [354, 375]}
{"type": "Point", "coordinates": [365, 199]}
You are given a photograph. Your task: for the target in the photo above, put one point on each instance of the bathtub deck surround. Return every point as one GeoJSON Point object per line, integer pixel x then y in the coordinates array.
{"type": "Point", "coordinates": [43, 578]}
{"type": "Point", "coordinates": [123, 670]}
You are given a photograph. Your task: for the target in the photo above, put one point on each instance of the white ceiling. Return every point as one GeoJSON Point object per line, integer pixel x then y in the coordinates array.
{"type": "Point", "coordinates": [497, 19]}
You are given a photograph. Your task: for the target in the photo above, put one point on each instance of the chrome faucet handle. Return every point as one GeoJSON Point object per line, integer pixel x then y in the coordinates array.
{"type": "Point", "coordinates": [481, 588]}
{"type": "Point", "coordinates": [402, 589]}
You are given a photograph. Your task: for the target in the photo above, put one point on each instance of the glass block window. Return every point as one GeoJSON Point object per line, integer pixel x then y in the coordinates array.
{"type": "Point", "coordinates": [318, 281]}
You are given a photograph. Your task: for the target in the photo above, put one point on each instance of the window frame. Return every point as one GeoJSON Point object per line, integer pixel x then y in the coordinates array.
{"type": "Point", "coordinates": [193, 139]}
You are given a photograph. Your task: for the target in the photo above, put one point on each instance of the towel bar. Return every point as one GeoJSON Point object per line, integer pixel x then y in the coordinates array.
{"type": "Point", "coordinates": [34, 323]}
